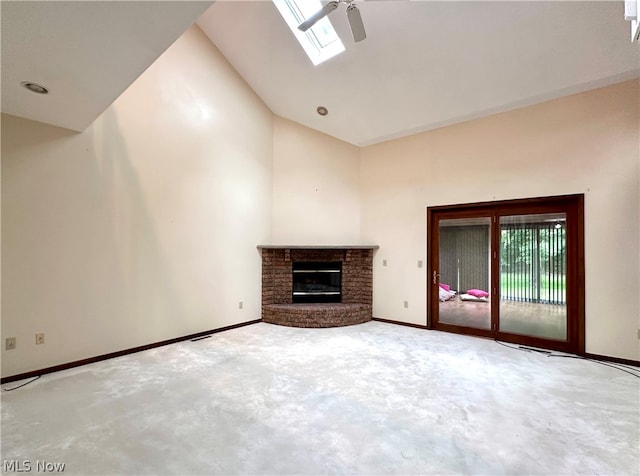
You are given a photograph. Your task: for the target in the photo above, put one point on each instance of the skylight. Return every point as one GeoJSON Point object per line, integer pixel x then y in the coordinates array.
{"type": "Point", "coordinates": [321, 41]}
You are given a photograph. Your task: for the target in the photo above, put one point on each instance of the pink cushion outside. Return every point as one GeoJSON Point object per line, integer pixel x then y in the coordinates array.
{"type": "Point", "coordinates": [478, 293]}
{"type": "Point", "coordinates": [446, 287]}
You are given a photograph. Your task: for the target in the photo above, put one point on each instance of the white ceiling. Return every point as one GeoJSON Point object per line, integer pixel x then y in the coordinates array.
{"type": "Point", "coordinates": [86, 53]}
{"type": "Point", "coordinates": [426, 64]}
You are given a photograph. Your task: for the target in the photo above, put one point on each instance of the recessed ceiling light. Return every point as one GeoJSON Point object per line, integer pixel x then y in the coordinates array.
{"type": "Point", "coordinates": [35, 87]}
{"type": "Point", "coordinates": [323, 111]}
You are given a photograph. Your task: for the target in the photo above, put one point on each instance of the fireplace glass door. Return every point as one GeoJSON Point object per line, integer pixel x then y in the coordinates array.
{"type": "Point", "coordinates": [317, 282]}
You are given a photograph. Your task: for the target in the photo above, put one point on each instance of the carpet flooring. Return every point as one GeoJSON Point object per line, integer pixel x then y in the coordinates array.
{"type": "Point", "coordinates": [373, 398]}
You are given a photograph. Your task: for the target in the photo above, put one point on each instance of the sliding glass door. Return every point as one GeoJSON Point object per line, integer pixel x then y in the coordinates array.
{"type": "Point", "coordinates": [509, 270]}
{"type": "Point", "coordinates": [465, 260]}
{"type": "Point", "coordinates": [533, 264]}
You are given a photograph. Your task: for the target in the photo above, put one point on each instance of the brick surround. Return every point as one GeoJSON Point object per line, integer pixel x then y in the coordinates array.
{"type": "Point", "coordinates": [316, 315]}
{"type": "Point", "coordinates": [277, 282]}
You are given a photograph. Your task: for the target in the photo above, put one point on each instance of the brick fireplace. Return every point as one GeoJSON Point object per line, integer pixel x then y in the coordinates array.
{"type": "Point", "coordinates": [356, 296]}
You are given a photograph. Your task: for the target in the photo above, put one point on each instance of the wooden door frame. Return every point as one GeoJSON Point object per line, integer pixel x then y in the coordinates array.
{"type": "Point", "coordinates": [573, 205]}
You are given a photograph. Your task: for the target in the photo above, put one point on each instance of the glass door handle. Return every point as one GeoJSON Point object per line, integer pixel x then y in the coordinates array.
{"type": "Point", "coordinates": [436, 275]}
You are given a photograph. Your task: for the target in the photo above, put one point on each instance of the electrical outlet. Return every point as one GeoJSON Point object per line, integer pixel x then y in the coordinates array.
{"type": "Point", "coordinates": [10, 343]}
{"type": "Point", "coordinates": [406, 304]}
{"type": "Point", "coordinates": [240, 305]}
{"type": "Point", "coordinates": [384, 262]}
{"type": "Point", "coordinates": [39, 339]}
{"type": "Point", "coordinates": [419, 263]}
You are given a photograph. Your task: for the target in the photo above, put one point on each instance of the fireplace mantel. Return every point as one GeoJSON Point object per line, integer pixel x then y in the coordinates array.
{"type": "Point", "coordinates": [318, 247]}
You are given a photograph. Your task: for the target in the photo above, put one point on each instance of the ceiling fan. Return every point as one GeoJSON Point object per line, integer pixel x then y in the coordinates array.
{"type": "Point", "coordinates": [353, 15]}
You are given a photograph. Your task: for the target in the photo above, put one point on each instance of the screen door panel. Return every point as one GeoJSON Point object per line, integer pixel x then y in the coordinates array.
{"type": "Point", "coordinates": [533, 264]}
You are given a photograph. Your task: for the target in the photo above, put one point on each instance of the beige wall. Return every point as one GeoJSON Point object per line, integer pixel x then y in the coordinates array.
{"type": "Point", "coordinates": [144, 227]}
{"type": "Point", "coordinates": [587, 143]}
{"type": "Point", "coordinates": [316, 198]}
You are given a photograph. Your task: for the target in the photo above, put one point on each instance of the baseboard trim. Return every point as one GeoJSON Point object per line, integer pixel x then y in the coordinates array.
{"type": "Point", "coordinates": [133, 350]}
{"type": "Point", "coordinates": [399, 323]}
{"type": "Point", "coordinates": [120, 353]}
{"type": "Point", "coordinates": [606, 358]}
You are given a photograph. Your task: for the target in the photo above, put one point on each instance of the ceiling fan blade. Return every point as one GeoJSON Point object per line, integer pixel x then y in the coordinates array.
{"type": "Point", "coordinates": [319, 15]}
{"type": "Point", "coordinates": [355, 22]}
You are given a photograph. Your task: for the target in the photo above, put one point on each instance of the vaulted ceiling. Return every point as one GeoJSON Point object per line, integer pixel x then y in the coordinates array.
{"type": "Point", "coordinates": [425, 64]}
{"type": "Point", "coordinates": [86, 53]}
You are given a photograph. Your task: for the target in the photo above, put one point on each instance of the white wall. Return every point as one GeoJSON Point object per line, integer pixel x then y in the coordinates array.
{"type": "Point", "coordinates": [587, 143]}
{"type": "Point", "coordinates": [144, 227]}
{"type": "Point", "coordinates": [316, 197]}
